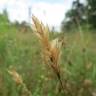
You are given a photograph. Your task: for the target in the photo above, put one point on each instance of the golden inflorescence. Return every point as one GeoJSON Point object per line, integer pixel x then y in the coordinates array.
{"type": "Point", "coordinates": [51, 48]}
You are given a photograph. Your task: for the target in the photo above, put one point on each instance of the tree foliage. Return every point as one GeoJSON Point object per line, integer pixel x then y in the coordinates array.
{"type": "Point", "coordinates": [92, 13]}
{"type": "Point", "coordinates": [80, 14]}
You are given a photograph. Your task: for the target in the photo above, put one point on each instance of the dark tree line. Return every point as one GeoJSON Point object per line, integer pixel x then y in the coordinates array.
{"type": "Point", "coordinates": [80, 14]}
{"type": "Point", "coordinates": [92, 12]}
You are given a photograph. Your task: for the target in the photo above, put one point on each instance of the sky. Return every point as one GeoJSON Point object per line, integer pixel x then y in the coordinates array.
{"type": "Point", "coordinates": [50, 12]}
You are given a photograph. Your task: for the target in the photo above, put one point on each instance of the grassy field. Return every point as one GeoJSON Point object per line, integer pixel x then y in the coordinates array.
{"type": "Point", "coordinates": [22, 51]}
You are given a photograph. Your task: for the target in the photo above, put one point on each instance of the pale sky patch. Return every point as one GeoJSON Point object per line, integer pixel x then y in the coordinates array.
{"type": "Point", "coordinates": [49, 12]}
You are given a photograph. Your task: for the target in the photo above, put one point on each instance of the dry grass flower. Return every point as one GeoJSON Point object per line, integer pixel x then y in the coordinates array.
{"type": "Point", "coordinates": [51, 49]}
{"type": "Point", "coordinates": [16, 77]}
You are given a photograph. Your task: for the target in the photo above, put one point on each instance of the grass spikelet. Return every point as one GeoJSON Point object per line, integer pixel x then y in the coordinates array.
{"type": "Point", "coordinates": [42, 33]}
{"type": "Point", "coordinates": [19, 82]}
{"type": "Point", "coordinates": [51, 49]}
{"type": "Point", "coordinates": [16, 77]}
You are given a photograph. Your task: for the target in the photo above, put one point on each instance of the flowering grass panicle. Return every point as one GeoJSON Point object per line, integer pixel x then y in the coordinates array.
{"type": "Point", "coordinates": [51, 49]}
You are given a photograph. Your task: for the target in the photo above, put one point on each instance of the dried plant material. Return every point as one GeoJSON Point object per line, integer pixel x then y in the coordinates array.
{"type": "Point", "coordinates": [41, 31]}
{"type": "Point", "coordinates": [51, 49]}
{"type": "Point", "coordinates": [55, 43]}
{"type": "Point", "coordinates": [19, 81]}
{"type": "Point", "coordinates": [55, 49]}
{"type": "Point", "coordinates": [87, 83]}
{"type": "Point", "coordinates": [94, 93]}
{"type": "Point", "coordinates": [89, 65]}
{"type": "Point", "coordinates": [16, 77]}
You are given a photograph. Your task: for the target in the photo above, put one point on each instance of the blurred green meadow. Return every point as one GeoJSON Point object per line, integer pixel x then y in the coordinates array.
{"type": "Point", "coordinates": [20, 49]}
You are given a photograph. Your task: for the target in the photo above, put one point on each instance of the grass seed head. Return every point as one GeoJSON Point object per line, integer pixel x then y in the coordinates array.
{"type": "Point", "coordinates": [16, 77]}
{"type": "Point", "coordinates": [51, 49]}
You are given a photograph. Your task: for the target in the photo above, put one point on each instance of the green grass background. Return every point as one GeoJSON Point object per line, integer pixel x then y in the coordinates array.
{"type": "Point", "coordinates": [22, 51]}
